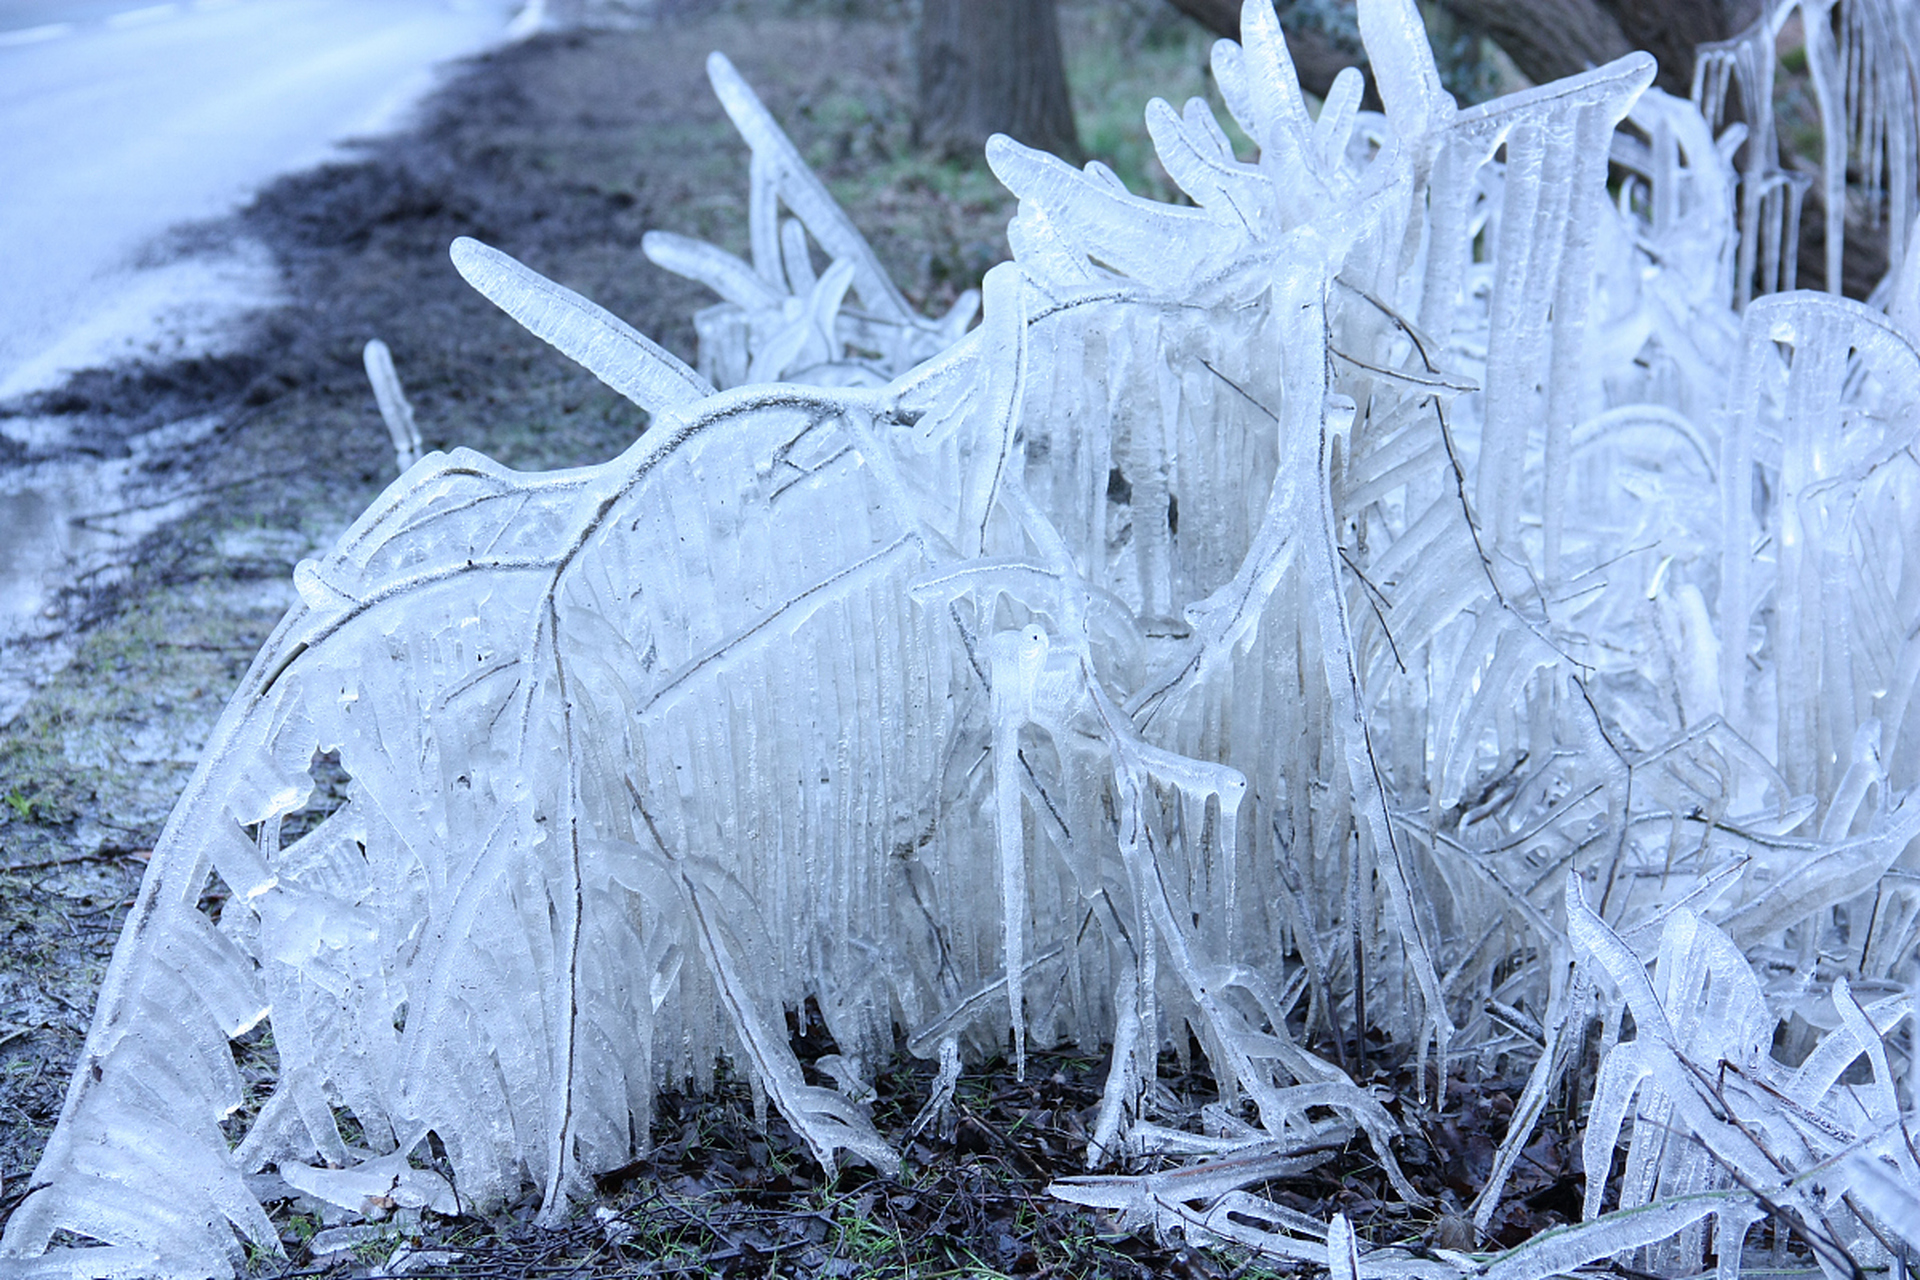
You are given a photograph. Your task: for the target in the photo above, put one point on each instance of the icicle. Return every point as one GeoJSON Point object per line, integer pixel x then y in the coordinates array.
{"type": "Point", "coordinates": [1017, 659]}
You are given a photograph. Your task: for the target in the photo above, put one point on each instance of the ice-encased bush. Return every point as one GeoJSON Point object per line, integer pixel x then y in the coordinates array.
{"type": "Point", "coordinates": [1397, 590]}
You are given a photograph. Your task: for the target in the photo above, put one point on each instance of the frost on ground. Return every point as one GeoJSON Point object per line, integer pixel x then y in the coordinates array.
{"type": "Point", "coordinates": [1399, 591]}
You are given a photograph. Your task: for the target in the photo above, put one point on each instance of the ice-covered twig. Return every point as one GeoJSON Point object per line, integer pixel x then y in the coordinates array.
{"type": "Point", "coordinates": [395, 411]}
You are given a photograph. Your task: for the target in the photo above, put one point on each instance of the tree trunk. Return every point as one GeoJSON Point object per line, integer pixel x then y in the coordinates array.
{"type": "Point", "coordinates": [993, 66]}
{"type": "Point", "coordinates": [1671, 30]}
{"type": "Point", "coordinates": [1548, 39]}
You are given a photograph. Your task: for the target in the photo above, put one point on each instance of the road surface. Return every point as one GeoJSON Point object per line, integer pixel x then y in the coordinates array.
{"type": "Point", "coordinates": [120, 120]}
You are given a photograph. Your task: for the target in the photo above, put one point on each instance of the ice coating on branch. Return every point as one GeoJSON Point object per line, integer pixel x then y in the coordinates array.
{"type": "Point", "coordinates": [1398, 591]}
{"type": "Point", "coordinates": [779, 320]}
{"type": "Point", "coordinates": [395, 410]}
{"type": "Point", "coordinates": [1702, 1066]}
{"type": "Point", "coordinates": [599, 341]}
{"type": "Point", "coordinates": [1863, 62]}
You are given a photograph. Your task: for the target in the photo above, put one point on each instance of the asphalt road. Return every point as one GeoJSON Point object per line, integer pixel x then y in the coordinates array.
{"type": "Point", "coordinates": [119, 123]}
{"type": "Point", "coordinates": [120, 120]}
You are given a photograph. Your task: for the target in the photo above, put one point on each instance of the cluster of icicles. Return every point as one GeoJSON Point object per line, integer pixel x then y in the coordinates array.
{"type": "Point", "coordinates": [1399, 589]}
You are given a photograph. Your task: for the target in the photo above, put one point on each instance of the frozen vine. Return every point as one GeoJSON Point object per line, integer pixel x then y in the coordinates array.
{"type": "Point", "coordinates": [1400, 589]}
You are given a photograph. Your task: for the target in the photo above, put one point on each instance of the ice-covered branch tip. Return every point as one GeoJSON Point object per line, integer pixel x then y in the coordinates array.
{"type": "Point", "coordinates": [1397, 595]}
{"type": "Point", "coordinates": [600, 342]}
{"type": "Point", "coordinates": [395, 411]}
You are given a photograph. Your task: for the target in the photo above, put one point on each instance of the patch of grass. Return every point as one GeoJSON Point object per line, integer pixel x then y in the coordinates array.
{"type": "Point", "coordinates": [377, 1249]}
{"type": "Point", "coordinates": [260, 1261]}
{"type": "Point", "coordinates": [42, 789]}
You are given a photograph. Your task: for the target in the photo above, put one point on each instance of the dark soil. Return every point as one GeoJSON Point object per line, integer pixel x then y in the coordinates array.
{"type": "Point", "coordinates": [561, 151]}
{"type": "Point", "coordinates": [723, 1194]}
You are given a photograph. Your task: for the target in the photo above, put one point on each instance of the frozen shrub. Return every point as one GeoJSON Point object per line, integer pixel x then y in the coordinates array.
{"type": "Point", "coordinates": [1397, 590]}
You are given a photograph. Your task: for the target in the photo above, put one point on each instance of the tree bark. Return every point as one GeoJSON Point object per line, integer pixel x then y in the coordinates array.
{"type": "Point", "coordinates": [1670, 30]}
{"type": "Point", "coordinates": [993, 66]}
{"type": "Point", "coordinates": [1862, 265]}
{"type": "Point", "coordinates": [1549, 39]}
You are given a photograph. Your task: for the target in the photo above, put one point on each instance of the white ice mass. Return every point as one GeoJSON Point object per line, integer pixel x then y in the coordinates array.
{"type": "Point", "coordinates": [1417, 584]}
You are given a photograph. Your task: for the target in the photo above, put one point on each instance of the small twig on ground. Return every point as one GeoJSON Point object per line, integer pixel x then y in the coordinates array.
{"type": "Point", "coordinates": [101, 854]}
{"type": "Point", "coordinates": [86, 519]}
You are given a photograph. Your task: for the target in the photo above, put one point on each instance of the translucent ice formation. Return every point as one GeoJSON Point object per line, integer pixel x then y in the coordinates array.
{"type": "Point", "coordinates": [780, 321]}
{"type": "Point", "coordinates": [1398, 590]}
{"type": "Point", "coordinates": [1862, 60]}
{"type": "Point", "coordinates": [395, 410]}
